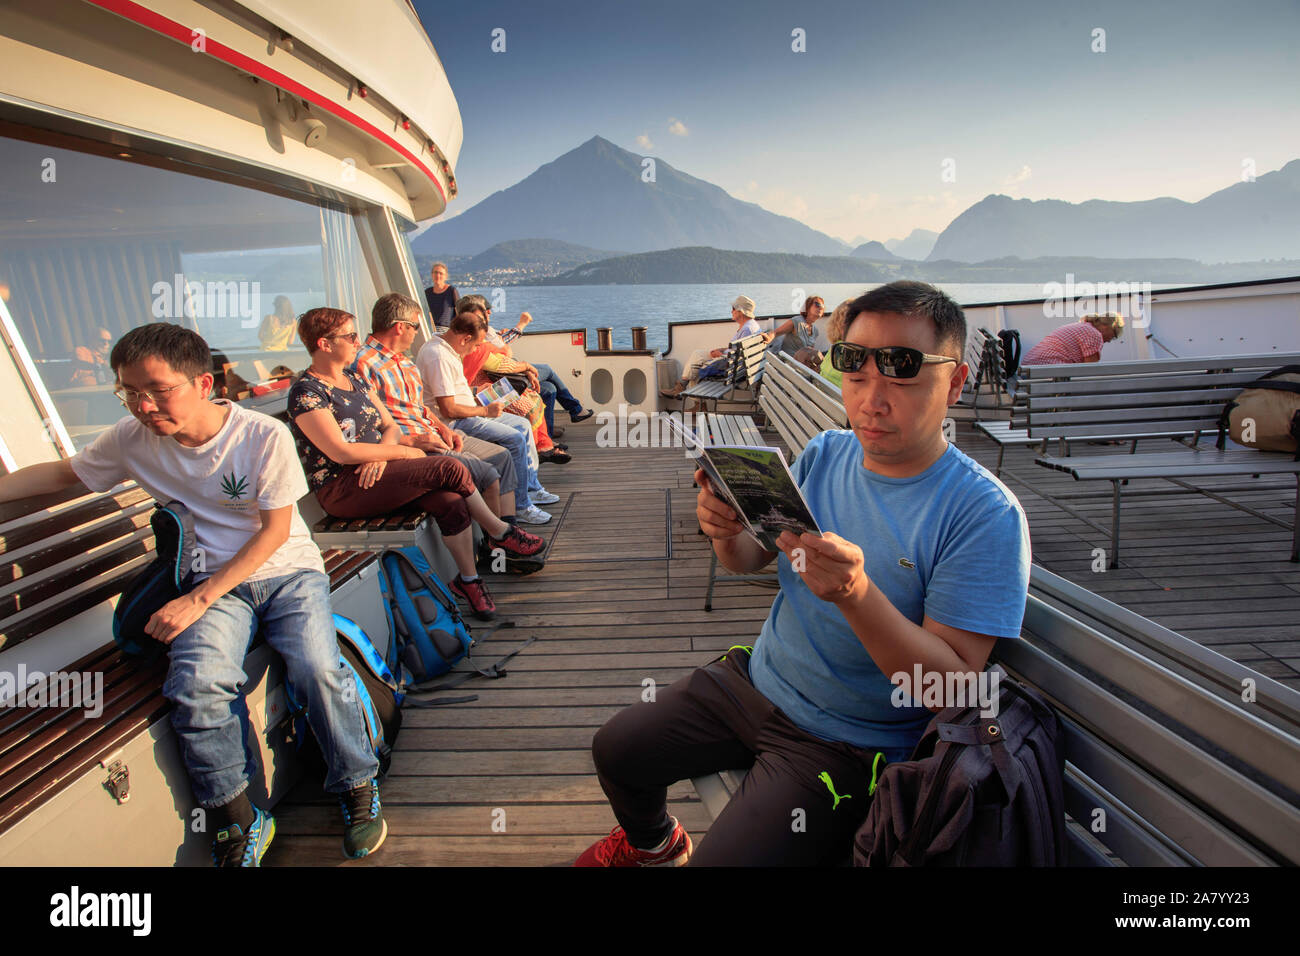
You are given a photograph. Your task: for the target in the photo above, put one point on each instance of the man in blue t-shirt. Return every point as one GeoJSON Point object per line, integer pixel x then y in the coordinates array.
{"type": "Point", "coordinates": [923, 563]}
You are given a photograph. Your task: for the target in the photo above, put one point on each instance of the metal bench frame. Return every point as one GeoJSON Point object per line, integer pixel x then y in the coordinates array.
{"type": "Point", "coordinates": [745, 361]}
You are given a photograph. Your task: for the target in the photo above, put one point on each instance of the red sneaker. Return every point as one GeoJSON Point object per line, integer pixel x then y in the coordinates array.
{"type": "Point", "coordinates": [476, 593]}
{"type": "Point", "coordinates": [518, 543]}
{"type": "Point", "coordinates": [614, 850]}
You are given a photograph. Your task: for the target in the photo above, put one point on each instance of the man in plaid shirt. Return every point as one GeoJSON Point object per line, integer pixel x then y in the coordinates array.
{"type": "Point", "coordinates": [383, 363]}
{"type": "Point", "coordinates": [1080, 342]}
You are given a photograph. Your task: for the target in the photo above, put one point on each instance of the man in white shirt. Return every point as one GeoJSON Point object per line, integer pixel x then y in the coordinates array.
{"type": "Point", "coordinates": [256, 567]}
{"type": "Point", "coordinates": [441, 364]}
{"type": "Point", "coordinates": [742, 313]}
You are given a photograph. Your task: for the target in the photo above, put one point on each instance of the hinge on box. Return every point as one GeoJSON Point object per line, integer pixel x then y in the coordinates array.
{"type": "Point", "coordinates": [119, 780]}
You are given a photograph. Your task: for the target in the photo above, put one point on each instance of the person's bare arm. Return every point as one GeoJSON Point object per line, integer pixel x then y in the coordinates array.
{"type": "Point", "coordinates": [40, 479]}
{"type": "Point", "coordinates": [175, 616]}
{"type": "Point", "coordinates": [323, 431]}
{"type": "Point", "coordinates": [785, 328]}
{"type": "Point", "coordinates": [736, 549]}
{"type": "Point", "coordinates": [834, 572]}
{"type": "Point", "coordinates": [1094, 358]}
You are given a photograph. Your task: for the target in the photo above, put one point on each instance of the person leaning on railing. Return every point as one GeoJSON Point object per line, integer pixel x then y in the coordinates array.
{"type": "Point", "coordinates": [351, 451]}
{"type": "Point", "coordinates": [1078, 342]}
{"type": "Point", "coordinates": [798, 335]}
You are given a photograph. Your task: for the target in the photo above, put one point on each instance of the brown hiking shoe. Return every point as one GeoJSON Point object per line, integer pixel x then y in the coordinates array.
{"type": "Point", "coordinates": [674, 391]}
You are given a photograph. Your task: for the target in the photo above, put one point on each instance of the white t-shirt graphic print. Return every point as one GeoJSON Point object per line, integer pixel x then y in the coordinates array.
{"type": "Point", "coordinates": [249, 466]}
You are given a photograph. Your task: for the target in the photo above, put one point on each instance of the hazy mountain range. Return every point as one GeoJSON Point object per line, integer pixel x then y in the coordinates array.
{"type": "Point", "coordinates": [600, 196]}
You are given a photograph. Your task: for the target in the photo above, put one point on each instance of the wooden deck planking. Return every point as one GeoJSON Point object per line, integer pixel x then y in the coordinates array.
{"type": "Point", "coordinates": [606, 623]}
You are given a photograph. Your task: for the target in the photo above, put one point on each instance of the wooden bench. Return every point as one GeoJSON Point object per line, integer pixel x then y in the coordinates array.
{"type": "Point", "coordinates": [745, 361]}
{"type": "Point", "coordinates": [104, 784]}
{"type": "Point", "coordinates": [798, 402]}
{"type": "Point", "coordinates": [1167, 762]}
{"type": "Point", "coordinates": [1174, 399]}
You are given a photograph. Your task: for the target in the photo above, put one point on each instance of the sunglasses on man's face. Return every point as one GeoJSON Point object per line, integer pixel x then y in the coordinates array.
{"type": "Point", "coordinates": [893, 361]}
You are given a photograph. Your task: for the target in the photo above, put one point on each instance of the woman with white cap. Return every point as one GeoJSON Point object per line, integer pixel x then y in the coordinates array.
{"type": "Point", "coordinates": [742, 313]}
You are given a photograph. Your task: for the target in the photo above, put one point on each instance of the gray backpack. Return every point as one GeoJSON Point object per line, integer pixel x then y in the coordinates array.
{"type": "Point", "coordinates": [977, 791]}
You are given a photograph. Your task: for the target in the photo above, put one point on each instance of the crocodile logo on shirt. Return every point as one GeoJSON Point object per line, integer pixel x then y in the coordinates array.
{"type": "Point", "coordinates": [904, 563]}
{"type": "Point", "coordinates": [234, 487]}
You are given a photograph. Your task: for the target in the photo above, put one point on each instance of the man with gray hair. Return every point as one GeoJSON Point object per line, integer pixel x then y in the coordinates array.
{"type": "Point", "coordinates": [742, 313]}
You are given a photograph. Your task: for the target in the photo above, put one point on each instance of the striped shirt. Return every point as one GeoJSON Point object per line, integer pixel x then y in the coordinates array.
{"type": "Point", "coordinates": [1067, 345]}
{"type": "Point", "coordinates": [397, 382]}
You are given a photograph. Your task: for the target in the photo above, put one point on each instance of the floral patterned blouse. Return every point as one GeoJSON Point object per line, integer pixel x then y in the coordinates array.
{"type": "Point", "coordinates": [357, 416]}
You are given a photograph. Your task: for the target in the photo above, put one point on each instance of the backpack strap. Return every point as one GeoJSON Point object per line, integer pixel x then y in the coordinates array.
{"type": "Point", "coordinates": [492, 671]}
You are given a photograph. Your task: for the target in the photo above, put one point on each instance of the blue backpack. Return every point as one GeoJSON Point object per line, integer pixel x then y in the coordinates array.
{"type": "Point", "coordinates": [428, 633]}
{"type": "Point", "coordinates": [381, 701]}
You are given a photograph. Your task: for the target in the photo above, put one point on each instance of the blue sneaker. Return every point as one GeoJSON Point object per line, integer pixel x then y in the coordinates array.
{"type": "Point", "coordinates": [233, 847]}
{"type": "Point", "coordinates": [364, 820]}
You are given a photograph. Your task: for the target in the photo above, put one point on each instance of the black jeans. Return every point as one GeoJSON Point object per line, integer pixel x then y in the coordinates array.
{"type": "Point", "coordinates": [800, 805]}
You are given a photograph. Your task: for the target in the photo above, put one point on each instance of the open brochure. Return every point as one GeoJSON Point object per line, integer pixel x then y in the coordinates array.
{"type": "Point", "coordinates": [499, 391]}
{"type": "Point", "coordinates": [756, 482]}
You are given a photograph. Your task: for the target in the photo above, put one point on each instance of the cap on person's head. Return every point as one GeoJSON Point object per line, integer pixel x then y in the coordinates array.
{"type": "Point", "coordinates": [744, 304]}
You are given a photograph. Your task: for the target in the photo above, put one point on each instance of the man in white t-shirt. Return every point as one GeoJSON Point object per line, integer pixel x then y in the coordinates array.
{"type": "Point", "coordinates": [256, 567]}
{"type": "Point", "coordinates": [742, 313]}
{"type": "Point", "coordinates": [441, 364]}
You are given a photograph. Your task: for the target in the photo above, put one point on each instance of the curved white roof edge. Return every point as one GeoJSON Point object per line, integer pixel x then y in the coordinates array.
{"type": "Point", "coordinates": [383, 44]}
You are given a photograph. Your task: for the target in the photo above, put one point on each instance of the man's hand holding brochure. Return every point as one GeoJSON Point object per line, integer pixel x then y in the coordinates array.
{"type": "Point", "coordinates": [756, 484]}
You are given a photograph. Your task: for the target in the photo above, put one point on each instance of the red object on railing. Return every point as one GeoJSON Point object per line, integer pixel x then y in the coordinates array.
{"type": "Point", "coordinates": [264, 388]}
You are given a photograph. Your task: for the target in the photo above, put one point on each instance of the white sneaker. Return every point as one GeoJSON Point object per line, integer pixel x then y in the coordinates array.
{"type": "Point", "coordinates": [533, 515]}
{"type": "Point", "coordinates": [543, 497]}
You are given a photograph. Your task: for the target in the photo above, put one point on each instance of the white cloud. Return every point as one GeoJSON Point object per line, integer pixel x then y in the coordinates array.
{"type": "Point", "coordinates": [644, 142]}
{"type": "Point", "coordinates": [677, 127]}
{"type": "Point", "coordinates": [1013, 182]}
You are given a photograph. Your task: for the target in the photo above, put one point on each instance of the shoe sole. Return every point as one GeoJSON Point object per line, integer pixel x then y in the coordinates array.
{"type": "Point", "coordinates": [541, 502]}
{"type": "Point", "coordinates": [383, 835]}
{"type": "Point", "coordinates": [523, 520]}
{"type": "Point", "coordinates": [269, 825]}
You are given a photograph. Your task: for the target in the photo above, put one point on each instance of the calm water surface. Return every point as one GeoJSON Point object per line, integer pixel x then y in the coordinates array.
{"type": "Point", "coordinates": [622, 306]}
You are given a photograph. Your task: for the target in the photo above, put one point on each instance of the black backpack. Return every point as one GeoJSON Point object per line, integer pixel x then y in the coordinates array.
{"type": "Point", "coordinates": [1010, 351]}
{"type": "Point", "coordinates": [165, 579]}
{"type": "Point", "coordinates": [977, 791]}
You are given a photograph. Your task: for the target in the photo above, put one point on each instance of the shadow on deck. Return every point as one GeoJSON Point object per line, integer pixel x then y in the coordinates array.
{"type": "Point", "coordinates": [508, 779]}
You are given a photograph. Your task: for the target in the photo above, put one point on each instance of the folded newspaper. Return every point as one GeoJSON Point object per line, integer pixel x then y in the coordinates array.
{"type": "Point", "coordinates": [499, 391]}
{"type": "Point", "coordinates": [756, 482]}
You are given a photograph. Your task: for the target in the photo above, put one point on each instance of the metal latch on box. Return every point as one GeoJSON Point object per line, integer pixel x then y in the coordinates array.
{"type": "Point", "coordinates": [119, 779]}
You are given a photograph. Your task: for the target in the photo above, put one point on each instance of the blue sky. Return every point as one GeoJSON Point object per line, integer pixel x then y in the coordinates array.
{"type": "Point", "coordinates": [852, 136]}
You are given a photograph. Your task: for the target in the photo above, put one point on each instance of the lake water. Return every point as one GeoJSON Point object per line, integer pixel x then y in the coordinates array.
{"type": "Point", "coordinates": [622, 306]}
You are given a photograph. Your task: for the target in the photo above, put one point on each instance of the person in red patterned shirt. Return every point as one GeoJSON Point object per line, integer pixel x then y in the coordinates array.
{"type": "Point", "coordinates": [1079, 342]}
{"type": "Point", "coordinates": [383, 363]}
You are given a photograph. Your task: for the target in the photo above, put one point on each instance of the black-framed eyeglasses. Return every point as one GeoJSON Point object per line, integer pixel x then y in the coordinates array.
{"type": "Point", "coordinates": [892, 361]}
{"type": "Point", "coordinates": [130, 397]}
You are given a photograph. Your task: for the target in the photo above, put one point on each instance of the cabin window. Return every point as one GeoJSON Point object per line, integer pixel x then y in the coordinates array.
{"type": "Point", "coordinates": [94, 245]}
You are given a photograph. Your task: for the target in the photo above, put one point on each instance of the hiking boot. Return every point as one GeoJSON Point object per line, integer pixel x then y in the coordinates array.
{"type": "Point", "coordinates": [674, 391]}
{"type": "Point", "coordinates": [517, 543]}
{"type": "Point", "coordinates": [534, 515]}
{"type": "Point", "coordinates": [234, 847]}
{"type": "Point", "coordinates": [554, 456]}
{"type": "Point", "coordinates": [542, 497]}
{"type": "Point", "coordinates": [581, 415]}
{"type": "Point", "coordinates": [614, 850]}
{"type": "Point", "coordinates": [476, 595]}
{"type": "Point", "coordinates": [363, 819]}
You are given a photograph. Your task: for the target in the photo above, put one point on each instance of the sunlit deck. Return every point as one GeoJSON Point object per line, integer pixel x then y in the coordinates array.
{"type": "Point", "coordinates": [508, 779]}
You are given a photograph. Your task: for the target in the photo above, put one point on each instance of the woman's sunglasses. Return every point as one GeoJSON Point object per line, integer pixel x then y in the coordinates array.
{"type": "Point", "coordinates": [893, 361]}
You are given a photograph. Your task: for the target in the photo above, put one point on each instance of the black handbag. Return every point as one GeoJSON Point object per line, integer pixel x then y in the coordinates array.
{"type": "Point", "coordinates": [165, 579]}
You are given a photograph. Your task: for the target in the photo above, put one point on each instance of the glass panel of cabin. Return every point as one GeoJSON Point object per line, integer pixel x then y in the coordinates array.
{"type": "Point", "coordinates": [94, 245]}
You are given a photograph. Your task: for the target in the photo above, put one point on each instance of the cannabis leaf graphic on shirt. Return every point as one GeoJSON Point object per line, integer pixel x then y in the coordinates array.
{"type": "Point", "coordinates": [234, 487]}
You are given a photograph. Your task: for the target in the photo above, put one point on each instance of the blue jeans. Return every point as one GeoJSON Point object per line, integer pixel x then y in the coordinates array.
{"type": "Point", "coordinates": [515, 435]}
{"type": "Point", "coordinates": [553, 389]}
{"type": "Point", "coordinates": [206, 675]}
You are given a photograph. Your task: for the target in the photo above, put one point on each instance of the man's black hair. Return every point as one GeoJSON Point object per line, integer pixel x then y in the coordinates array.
{"type": "Point", "coordinates": [908, 297]}
{"type": "Point", "coordinates": [181, 348]}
